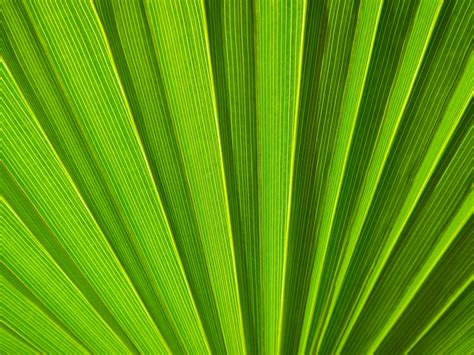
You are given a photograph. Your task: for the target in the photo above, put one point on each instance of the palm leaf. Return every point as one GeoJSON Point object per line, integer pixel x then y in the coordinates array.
{"type": "Point", "coordinates": [237, 176]}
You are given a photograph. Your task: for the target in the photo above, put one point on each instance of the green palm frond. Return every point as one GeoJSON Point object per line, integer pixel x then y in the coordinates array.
{"type": "Point", "coordinates": [213, 176]}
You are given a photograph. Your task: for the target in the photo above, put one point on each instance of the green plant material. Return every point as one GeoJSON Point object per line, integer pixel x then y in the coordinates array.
{"type": "Point", "coordinates": [262, 177]}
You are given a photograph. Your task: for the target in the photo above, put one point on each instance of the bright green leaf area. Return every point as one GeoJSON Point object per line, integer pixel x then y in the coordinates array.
{"type": "Point", "coordinates": [237, 177]}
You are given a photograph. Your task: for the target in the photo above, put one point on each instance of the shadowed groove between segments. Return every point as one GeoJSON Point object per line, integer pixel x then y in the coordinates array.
{"type": "Point", "coordinates": [361, 58]}
{"type": "Point", "coordinates": [404, 125]}
{"type": "Point", "coordinates": [442, 179]}
{"type": "Point", "coordinates": [463, 293]}
{"type": "Point", "coordinates": [445, 282]}
{"type": "Point", "coordinates": [447, 164]}
{"type": "Point", "coordinates": [427, 269]}
{"type": "Point", "coordinates": [230, 30]}
{"type": "Point", "coordinates": [329, 38]}
{"type": "Point", "coordinates": [387, 149]}
{"type": "Point", "coordinates": [382, 71]}
{"type": "Point", "coordinates": [426, 183]}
